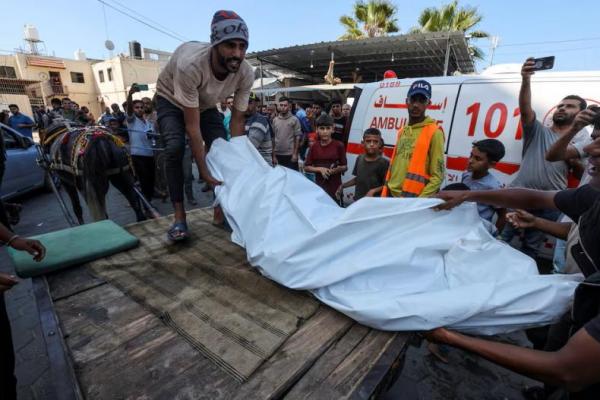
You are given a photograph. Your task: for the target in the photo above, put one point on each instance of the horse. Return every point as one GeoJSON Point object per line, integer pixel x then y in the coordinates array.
{"type": "Point", "coordinates": [87, 159]}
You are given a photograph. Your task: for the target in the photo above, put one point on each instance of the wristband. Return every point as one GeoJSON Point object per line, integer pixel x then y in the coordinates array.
{"type": "Point", "coordinates": [12, 238]}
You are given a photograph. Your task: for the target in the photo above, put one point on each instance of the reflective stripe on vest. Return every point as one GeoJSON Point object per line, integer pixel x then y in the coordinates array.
{"type": "Point", "coordinates": [416, 176]}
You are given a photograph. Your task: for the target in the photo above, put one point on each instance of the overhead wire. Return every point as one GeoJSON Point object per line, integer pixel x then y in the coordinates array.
{"type": "Point", "coordinates": [550, 42]}
{"type": "Point", "coordinates": [174, 36]}
{"type": "Point", "coordinates": [150, 20]}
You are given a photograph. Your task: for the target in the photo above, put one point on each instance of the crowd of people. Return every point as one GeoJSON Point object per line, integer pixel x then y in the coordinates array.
{"type": "Point", "coordinates": [204, 93]}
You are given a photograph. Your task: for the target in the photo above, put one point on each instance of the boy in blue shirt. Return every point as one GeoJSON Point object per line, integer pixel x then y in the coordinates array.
{"type": "Point", "coordinates": [484, 155]}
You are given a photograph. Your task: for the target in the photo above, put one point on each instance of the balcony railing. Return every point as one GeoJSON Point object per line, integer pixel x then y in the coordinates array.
{"type": "Point", "coordinates": [53, 89]}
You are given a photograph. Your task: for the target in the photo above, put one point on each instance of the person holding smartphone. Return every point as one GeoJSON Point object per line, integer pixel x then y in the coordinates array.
{"type": "Point", "coordinates": [142, 154]}
{"type": "Point", "coordinates": [535, 171]}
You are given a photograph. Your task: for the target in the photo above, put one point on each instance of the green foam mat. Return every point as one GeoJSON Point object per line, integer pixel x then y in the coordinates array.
{"type": "Point", "coordinates": [74, 246]}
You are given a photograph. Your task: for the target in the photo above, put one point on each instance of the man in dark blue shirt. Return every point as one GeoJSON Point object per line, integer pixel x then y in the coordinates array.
{"type": "Point", "coordinates": [20, 122]}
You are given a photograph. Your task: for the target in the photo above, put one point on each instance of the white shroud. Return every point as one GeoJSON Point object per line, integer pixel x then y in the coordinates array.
{"type": "Point", "coordinates": [391, 264]}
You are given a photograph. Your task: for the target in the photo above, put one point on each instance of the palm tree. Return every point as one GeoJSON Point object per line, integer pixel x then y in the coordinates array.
{"type": "Point", "coordinates": [371, 19]}
{"type": "Point", "coordinates": [450, 17]}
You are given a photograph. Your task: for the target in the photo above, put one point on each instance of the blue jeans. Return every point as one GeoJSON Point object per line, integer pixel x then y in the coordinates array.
{"type": "Point", "coordinates": [532, 238]}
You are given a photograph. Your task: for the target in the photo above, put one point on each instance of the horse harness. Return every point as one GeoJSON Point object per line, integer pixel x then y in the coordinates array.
{"type": "Point", "coordinates": [83, 138]}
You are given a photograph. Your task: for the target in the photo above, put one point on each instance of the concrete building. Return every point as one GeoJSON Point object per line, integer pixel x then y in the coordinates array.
{"type": "Point", "coordinates": [30, 80]}
{"type": "Point", "coordinates": [115, 76]}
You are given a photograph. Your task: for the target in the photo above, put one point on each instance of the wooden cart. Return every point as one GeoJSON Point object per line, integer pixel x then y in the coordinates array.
{"type": "Point", "coordinates": [195, 321]}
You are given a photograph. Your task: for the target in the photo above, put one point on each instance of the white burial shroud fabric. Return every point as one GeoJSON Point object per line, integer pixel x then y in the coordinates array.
{"type": "Point", "coordinates": [391, 264]}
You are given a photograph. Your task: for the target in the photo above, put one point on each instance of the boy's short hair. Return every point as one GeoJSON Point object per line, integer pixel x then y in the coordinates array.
{"type": "Point", "coordinates": [494, 149]}
{"type": "Point", "coordinates": [283, 98]}
{"type": "Point", "coordinates": [324, 120]}
{"type": "Point", "coordinates": [13, 105]}
{"type": "Point", "coordinates": [55, 100]}
{"type": "Point", "coordinates": [372, 131]}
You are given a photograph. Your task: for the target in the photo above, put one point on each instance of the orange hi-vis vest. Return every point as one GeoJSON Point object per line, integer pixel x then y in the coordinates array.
{"type": "Point", "coordinates": [416, 176]}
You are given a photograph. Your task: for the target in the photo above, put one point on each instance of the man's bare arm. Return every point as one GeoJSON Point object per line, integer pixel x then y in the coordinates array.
{"type": "Point", "coordinates": [237, 123]}
{"type": "Point", "coordinates": [502, 198]}
{"type": "Point", "coordinates": [191, 117]}
{"type": "Point", "coordinates": [527, 113]}
{"type": "Point", "coordinates": [575, 366]}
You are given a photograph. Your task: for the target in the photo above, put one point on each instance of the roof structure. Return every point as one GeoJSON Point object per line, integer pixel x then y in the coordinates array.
{"type": "Point", "coordinates": [412, 55]}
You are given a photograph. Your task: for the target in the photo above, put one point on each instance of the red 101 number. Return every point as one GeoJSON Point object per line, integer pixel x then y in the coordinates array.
{"type": "Point", "coordinates": [493, 131]}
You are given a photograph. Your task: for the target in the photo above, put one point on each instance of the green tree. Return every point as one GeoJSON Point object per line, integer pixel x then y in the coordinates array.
{"type": "Point", "coordinates": [451, 17]}
{"type": "Point", "coordinates": [371, 19]}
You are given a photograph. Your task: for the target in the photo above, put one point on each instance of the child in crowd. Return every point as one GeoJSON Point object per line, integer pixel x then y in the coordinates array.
{"type": "Point", "coordinates": [327, 157]}
{"type": "Point", "coordinates": [484, 155]}
{"type": "Point", "coordinates": [370, 168]}
{"type": "Point", "coordinates": [311, 139]}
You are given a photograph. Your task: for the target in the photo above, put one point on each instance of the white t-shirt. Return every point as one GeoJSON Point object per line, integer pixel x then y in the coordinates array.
{"type": "Point", "coordinates": [188, 81]}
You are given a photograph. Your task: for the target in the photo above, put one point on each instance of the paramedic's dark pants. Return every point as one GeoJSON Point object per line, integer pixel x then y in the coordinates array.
{"type": "Point", "coordinates": [286, 161]}
{"type": "Point", "coordinates": [145, 171]}
{"type": "Point", "coordinates": [8, 382]}
{"type": "Point", "coordinates": [172, 128]}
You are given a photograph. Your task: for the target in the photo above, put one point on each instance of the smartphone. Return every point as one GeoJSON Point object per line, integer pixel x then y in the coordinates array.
{"type": "Point", "coordinates": [145, 87]}
{"type": "Point", "coordinates": [543, 63]}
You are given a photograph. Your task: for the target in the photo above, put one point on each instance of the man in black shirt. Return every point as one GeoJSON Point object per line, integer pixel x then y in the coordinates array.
{"type": "Point", "coordinates": [575, 365]}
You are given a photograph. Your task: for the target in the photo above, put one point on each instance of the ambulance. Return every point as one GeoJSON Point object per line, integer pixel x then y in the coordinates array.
{"type": "Point", "coordinates": [468, 108]}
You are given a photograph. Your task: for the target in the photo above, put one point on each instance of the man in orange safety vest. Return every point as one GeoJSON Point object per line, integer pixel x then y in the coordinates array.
{"type": "Point", "coordinates": [417, 164]}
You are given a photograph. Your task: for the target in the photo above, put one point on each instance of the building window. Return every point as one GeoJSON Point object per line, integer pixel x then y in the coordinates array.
{"type": "Point", "coordinates": [109, 73]}
{"type": "Point", "coordinates": [101, 76]}
{"type": "Point", "coordinates": [77, 77]}
{"type": "Point", "coordinates": [7, 72]}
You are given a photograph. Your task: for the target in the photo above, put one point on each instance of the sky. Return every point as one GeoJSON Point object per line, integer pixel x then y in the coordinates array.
{"type": "Point", "coordinates": [525, 28]}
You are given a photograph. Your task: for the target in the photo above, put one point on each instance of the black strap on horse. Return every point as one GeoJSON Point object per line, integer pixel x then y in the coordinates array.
{"type": "Point", "coordinates": [44, 163]}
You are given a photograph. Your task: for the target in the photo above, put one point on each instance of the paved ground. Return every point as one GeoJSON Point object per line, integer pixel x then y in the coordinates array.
{"type": "Point", "coordinates": [424, 377]}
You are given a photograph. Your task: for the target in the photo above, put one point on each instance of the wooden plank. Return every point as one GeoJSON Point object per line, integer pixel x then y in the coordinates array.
{"type": "Point", "coordinates": [362, 374]}
{"type": "Point", "coordinates": [226, 311]}
{"type": "Point", "coordinates": [386, 369]}
{"type": "Point", "coordinates": [71, 281]}
{"type": "Point", "coordinates": [99, 320]}
{"type": "Point", "coordinates": [151, 366]}
{"type": "Point", "coordinates": [312, 380]}
{"type": "Point", "coordinates": [296, 356]}
{"type": "Point", "coordinates": [236, 332]}
{"type": "Point", "coordinates": [64, 382]}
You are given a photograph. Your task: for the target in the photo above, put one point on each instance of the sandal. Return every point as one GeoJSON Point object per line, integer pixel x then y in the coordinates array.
{"type": "Point", "coordinates": [178, 232]}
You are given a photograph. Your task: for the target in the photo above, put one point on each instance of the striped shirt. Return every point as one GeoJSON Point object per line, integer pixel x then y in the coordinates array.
{"type": "Point", "coordinates": [258, 131]}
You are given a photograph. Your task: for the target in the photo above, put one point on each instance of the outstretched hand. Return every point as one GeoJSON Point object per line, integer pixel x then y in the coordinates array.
{"type": "Point", "coordinates": [452, 198]}
{"type": "Point", "coordinates": [528, 68]}
{"type": "Point", "coordinates": [438, 335]}
{"type": "Point", "coordinates": [211, 182]}
{"type": "Point", "coordinates": [7, 282]}
{"type": "Point", "coordinates": [33, 247]}
{"type": "Point", "coordinates": [585, 117]}
{"type": "Point", "coordinates": [521, 219]}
